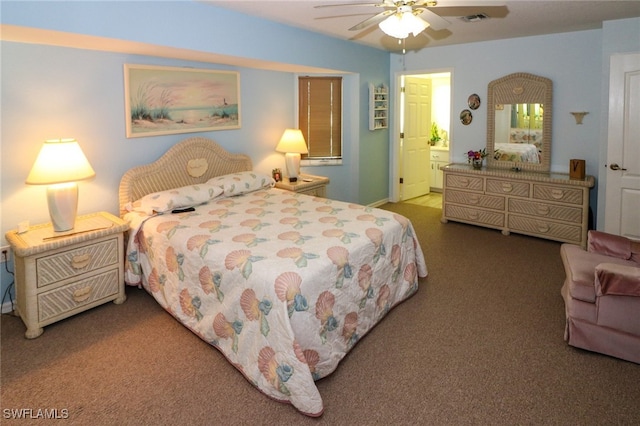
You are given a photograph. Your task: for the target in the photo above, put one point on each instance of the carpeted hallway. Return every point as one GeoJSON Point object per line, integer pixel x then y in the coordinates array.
{"type": "Point", "coordinates": [480, 343]}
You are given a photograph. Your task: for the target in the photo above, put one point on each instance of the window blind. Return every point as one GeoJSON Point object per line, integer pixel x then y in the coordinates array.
{"type": "Point", "coordinates": [320, 115]}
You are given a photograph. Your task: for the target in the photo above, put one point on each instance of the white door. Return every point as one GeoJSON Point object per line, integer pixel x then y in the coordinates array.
{"type": "Point", "coordinates": [622, 200]}
{"type": "Point", "coordinates": [415, 146]}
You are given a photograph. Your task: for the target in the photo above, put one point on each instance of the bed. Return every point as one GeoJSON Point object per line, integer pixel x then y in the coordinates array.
{"type": "Point", "coordinates": [518, 152]}
{"type": "Point", "coordinates": [283, 284]}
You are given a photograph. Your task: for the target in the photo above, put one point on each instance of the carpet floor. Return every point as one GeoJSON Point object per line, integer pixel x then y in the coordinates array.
{"type": "Point", "coordinates": [481, 342]}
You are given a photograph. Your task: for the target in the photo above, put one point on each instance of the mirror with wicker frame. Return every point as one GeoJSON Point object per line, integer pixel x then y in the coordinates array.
{"type": "Point", "coordinates": [519, 115]}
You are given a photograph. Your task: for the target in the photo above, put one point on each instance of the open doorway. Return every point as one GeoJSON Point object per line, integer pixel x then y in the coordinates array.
{"type": "Point", "coordinates": [423, 138]}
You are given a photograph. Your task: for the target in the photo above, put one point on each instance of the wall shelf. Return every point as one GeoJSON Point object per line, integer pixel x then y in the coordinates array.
{"type": "Point", "coordinates": [378, 106]}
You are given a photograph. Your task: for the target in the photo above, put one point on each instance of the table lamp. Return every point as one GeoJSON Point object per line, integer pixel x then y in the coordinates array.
{"type": "Point", "coordinates": [60, 164]}
{"type": "Point", "coordinates": [292, 143]}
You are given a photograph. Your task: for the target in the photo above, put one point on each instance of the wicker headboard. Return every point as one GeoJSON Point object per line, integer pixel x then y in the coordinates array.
{"type": "Point", "coordinates": [191, 161]}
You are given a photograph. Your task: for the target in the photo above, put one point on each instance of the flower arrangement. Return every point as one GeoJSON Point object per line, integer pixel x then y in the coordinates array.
{"type": "Point", "coordinates": [476, 158]}
{"type": "Point", "coordinates": [477, 155]}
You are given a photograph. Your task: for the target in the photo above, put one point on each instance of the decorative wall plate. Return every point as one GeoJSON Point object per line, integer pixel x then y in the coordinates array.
{"type": "Point", "coordinates": [466, 117]}
{"type": "Point", "coordinates": [473, 101]}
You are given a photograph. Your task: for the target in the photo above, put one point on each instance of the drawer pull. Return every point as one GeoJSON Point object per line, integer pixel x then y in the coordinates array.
{"type": "Point", "coordinates": [474, 199]}
{"type": "Point", "coordinates": [464, 182]}
{"type": "Point", "coordinates": [473, 216]}
{"type": "Point", "coordinates": [543, 228]}
{"type": "Point", "coordinates": [543, 210]}
{"type": "Point", "coordinates": [81, 294]}
{"type": "Point", "coordinates": [80, 261]}
{"type": "Point", "coordinates": [507, 187]}
{"type": "Point", "coordinates": [557, 193]}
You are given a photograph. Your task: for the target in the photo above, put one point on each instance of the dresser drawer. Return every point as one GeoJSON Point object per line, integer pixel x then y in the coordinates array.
{"type": "Point", "coordinates": [475, 200]}
{"type": "Point", "coordinates": [464, 182]}
{"type": "Point", "coordinates": [70, 263]}
{"type": "Point", "coordinates": [70, 297]}
{"type": "Point", "coordinates": [505, 187]}
{"type": "Point", "coordinates": [546, 229]}
{"type": "Point", "coordinates": [544, 210]}
{"type": "Point", "coordinates": [469, 214]}
{"type": "Point", "coordinates": [557, 193]}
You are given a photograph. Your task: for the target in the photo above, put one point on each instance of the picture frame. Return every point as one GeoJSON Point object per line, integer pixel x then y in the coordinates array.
{"type": "Point", "coordinates": [466, 117]}
{"type": "Point", "coordinates": [473, 101]}
{"type": "Point", "coordinates": [170, 100]}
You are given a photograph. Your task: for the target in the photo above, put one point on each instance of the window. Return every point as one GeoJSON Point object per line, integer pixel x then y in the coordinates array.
{"type": "Point", "coordinates": [320, 117]}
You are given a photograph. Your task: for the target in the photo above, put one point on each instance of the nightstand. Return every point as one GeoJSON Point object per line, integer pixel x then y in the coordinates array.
{"type": "Point", "coordinates": [60, 274]}
{"type": "Point", "coordinates": [306, 184]}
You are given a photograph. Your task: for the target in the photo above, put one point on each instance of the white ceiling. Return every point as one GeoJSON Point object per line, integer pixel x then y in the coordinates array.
{"type": "Point", "coordinates": [508, 19]}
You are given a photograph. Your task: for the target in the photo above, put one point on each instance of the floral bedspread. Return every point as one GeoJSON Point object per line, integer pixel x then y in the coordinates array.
{"type": "Point", "coordinates": [519, 152]}
{"type": "Point", "coordinates": [283, 284]}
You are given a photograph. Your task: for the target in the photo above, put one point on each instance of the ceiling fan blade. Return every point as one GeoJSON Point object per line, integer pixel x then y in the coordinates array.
{"type": "Point", "coordinates": [435, 21]}
{"type": "Point", "coordinates": [375, 19]}
{"type": "Point", "coordinates": [342, 16]}
{"type": "Point", "coordinates": [383, 4]}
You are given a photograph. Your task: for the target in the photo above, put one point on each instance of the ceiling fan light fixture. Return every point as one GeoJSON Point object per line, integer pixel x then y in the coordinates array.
{"type": "Point", "coordinates": [403, 23]}
{"type": "Point", "coordinates": [415, 24]}
{"type": "Point", "coordinates": [393, 27]}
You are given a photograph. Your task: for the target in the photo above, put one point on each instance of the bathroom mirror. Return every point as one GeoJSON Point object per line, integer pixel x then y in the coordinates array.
{"type": "Point", "coordinates": [519, 115]}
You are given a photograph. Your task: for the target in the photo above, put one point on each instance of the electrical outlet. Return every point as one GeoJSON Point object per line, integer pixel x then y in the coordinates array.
{"type": "Point", "coordinates": [7, 256]}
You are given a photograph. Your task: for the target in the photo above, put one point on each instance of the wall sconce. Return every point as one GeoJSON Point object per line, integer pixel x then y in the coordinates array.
{"type": "Point", "coordinates": [579, 116]}
{"type": "Point", "coordinates": [60, 164]}
{"type": "Point", "coordinates": [293, 144]}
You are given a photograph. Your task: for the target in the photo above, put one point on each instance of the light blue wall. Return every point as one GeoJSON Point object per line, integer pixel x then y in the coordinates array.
{"type": "Point", "coordinates": [44, 97]}
{"type": "Point", "coordinates": [203, 28]}
{"type": "Point", "coordinates": [567, 59]}
{"type": "Point", "coordinates": [190, 25]}
{"type": "Point", "coordinates": [50, 91]}
{"type": "Point", "coordinates": [577, 64]}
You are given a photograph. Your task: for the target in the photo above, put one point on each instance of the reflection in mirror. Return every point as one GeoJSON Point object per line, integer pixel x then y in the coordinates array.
{"type": "Point", "coordinates": [518, 133]}
{"type": "Point", "coordinates": [519, 122]}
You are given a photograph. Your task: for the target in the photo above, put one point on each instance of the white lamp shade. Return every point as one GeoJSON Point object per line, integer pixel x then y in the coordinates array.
{"type": "Point", "coordinates": [401, 24]}
{"type": "Point", "coordinates": [414, 23]}
{"type": "Point", "coordinates": [60, 161]}
{"type": "Point", "coordinates": [392, 26]}
{"type": "Point", "coordinates": [292, 140]}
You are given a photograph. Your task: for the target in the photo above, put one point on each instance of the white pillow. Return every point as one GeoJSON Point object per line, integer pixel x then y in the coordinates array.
{"type": "Point", "coordinates": [179, 198]}
{"type": "Point", "coordinates": [242, 182]}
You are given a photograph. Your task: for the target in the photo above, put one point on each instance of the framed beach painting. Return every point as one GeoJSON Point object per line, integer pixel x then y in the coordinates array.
{"type": "Point", "coordinates": [169, 100]}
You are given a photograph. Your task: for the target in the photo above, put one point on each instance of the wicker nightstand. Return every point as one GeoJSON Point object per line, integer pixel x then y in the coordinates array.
{"type": "Point", "coordinates": [60, 274]}
{"type": "Point", "coordinates": [313, 185]}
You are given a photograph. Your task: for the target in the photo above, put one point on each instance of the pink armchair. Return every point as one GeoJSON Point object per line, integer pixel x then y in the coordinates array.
{"type": "Point", "coordinates": [601, 293]}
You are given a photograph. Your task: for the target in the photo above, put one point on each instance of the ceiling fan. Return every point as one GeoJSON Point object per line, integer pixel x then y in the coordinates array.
{"type": "Point", "coordinates": [400, 17]}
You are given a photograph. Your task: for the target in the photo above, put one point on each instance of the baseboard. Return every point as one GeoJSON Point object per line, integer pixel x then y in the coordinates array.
{"type": "Point", "coordinates": [378, 203]}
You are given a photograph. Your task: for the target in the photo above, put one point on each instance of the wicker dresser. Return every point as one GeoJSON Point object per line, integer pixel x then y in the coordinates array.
{"type": "Point", "coordinates": [544, 205]}
{"type": "Point", "coordinates": [62, 274]}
